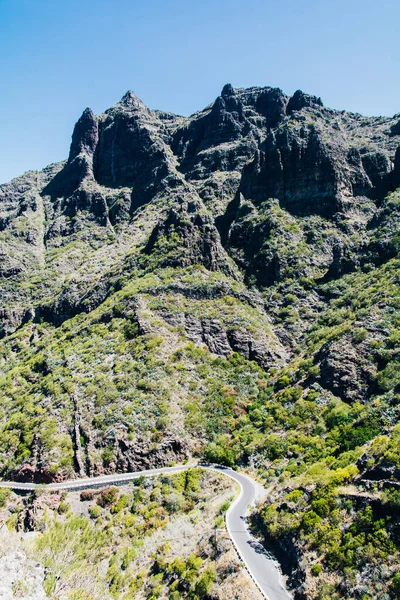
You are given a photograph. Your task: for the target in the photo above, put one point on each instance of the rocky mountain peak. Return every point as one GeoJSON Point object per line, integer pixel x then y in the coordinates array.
{"type": "Point", "coordinates": [131, 101]}
{"type": "Point", "coordinates": [301, 100]}
{"type": "Point", "coordinates": [227, 90]}
{"type": "Point", "coordinates": [85, 134]}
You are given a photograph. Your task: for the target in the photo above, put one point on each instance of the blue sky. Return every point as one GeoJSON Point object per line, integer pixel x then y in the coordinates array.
{"type": "Point", "coordinates": [59, 56]}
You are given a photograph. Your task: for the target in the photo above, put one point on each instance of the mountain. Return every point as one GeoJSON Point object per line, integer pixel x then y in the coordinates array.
{"type": "Point", "coordinates": [224, 285]}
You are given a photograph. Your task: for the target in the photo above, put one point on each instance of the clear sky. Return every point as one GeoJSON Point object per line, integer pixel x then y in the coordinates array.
{"type": "Point", "coordinates": [59, 56]}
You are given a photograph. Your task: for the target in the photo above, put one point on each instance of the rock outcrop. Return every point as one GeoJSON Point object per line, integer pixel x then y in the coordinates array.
{"type": "Point", "coordinates": [342, 371]}
{"type": "Point", "coordinates": [188, 236]}
{"type": "Point", "coordinates": [21, 578]}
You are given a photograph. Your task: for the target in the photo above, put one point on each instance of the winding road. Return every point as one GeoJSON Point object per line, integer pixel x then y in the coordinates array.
{"type": "Point", "coordinates": [262, 567]}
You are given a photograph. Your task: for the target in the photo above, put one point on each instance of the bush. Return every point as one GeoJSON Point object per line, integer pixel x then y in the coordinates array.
{"type": "Point", "coordinates": [87, 495]}
{"type": "Point", "coordinates": [359, 335]}
{"type": "Point", "coordinates": [310, 520]}
{"type": "Point", "coordinates": [63, 508]}
{"type": "Point", "coordinates": [94, 511]}
{"type": "Point", "coordinates": [321, 507]}
{"type": "Point", "coordinates": [4, 494]}
{"type": "Point", "coordinates": [204, 584]}
{"type": "Point", "coordinates": [108, 455]}
{"type": "Point", "coordinates": [224, 507]}
{"type": "Point", "coordinates": [316, 570]}
{"type": "Point", "coordinates": [131, 330]}
{"type": "Point", "coordinates": [174, 502]}
{"type": "Point", "coordinates": [396, 585]}
{"type": "Point", "coordinates": [392, 499]}
{"type": "Point", "coordinates": [107, 496]}
{"type": "Point", "coordinates": [220, 455]}
{"type": "Point", "coordinates": [294, 496]}
{"type": "Point", "coordinates": [122, 503]}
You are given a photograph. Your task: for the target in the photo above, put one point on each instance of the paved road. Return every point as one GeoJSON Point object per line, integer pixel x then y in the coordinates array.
{"type": "Point", "coordinates": [263, 568]}
{"type": "Point", "coordinates": [92, 482]}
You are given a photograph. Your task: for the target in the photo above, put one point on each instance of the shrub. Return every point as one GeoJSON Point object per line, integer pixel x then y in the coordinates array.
{"type": "Point", "coordinates": [220, 455]}
{"type": "Point", "coordinates": [310, 520]}
{"type": "Point", "coordinates": [321, 507]}
{"type": "Point", "coordinates": [224, 507]}
{"type": "Point", "coordinates": [392, 499]}
{"type": "Point", "coordinates": [87, 495]}
{"type": "Point", "coordinates": [107, 496]}
{"type": "Point", "coordinates": [122, 503]}
{"type": "Point", "coordinates": [316, 570]}
{"type": "Point", "coordinates": [94, 511]}
{"type": "Point", "coordinates": [194, 562]}
{"type": "Point", "coordinates": [359, 335]}
{"type": "Point", "coordinates": [174, 502]}
{"type": "Point", "coordinates": [290, 298]}
{"type": "Point", "coordinates": [108, 455]}
{"type": "Point", "coordinates": [63, 508]}
{"type": "Point", "coordinates": [204, 584]}
{"type": "Point", "coordinates": [294, 496]}
{"type": "Point", "coordinates": [4, 494]}
{"type": "Point", "coordinates": [131, 330]}
{"type": "Point", "coordinates": [396, 585]}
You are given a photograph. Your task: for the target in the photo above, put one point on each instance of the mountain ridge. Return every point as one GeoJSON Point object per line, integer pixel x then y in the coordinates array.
{"type": "Point", "coordinates": [77, 180]}
{"type": "Point", "coordinates": [223, 285]}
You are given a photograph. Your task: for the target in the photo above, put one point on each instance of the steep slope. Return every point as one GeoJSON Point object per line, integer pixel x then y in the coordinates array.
{"type": "Point", "coordinates": [224, 285]}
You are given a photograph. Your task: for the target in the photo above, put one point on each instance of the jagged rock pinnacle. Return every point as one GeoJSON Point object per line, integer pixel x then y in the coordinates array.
{"type": "Point", "coordinates": [131, 100]}
{"type": "Point", "coordinates": [85, 135]}
{"type": "Point", "coordinates": [300, 100]}
{"type": "Point", "coordinates": [227, 90]}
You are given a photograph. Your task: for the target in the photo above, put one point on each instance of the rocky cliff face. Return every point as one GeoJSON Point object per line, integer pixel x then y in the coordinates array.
{"type": "Point", "coordinates": [248, 146]}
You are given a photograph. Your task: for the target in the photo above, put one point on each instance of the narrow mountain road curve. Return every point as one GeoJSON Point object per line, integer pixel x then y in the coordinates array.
{"type": "Point", "coordinates": [263, 568]}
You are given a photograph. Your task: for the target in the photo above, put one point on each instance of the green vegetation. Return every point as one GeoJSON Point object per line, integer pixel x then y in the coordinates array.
{"type": "Point", "coordinates": [291, 422]}
{"type": "Point", "coordinates": [132, 544]}
{"type": "Point", "coordinates": [4, 494]}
